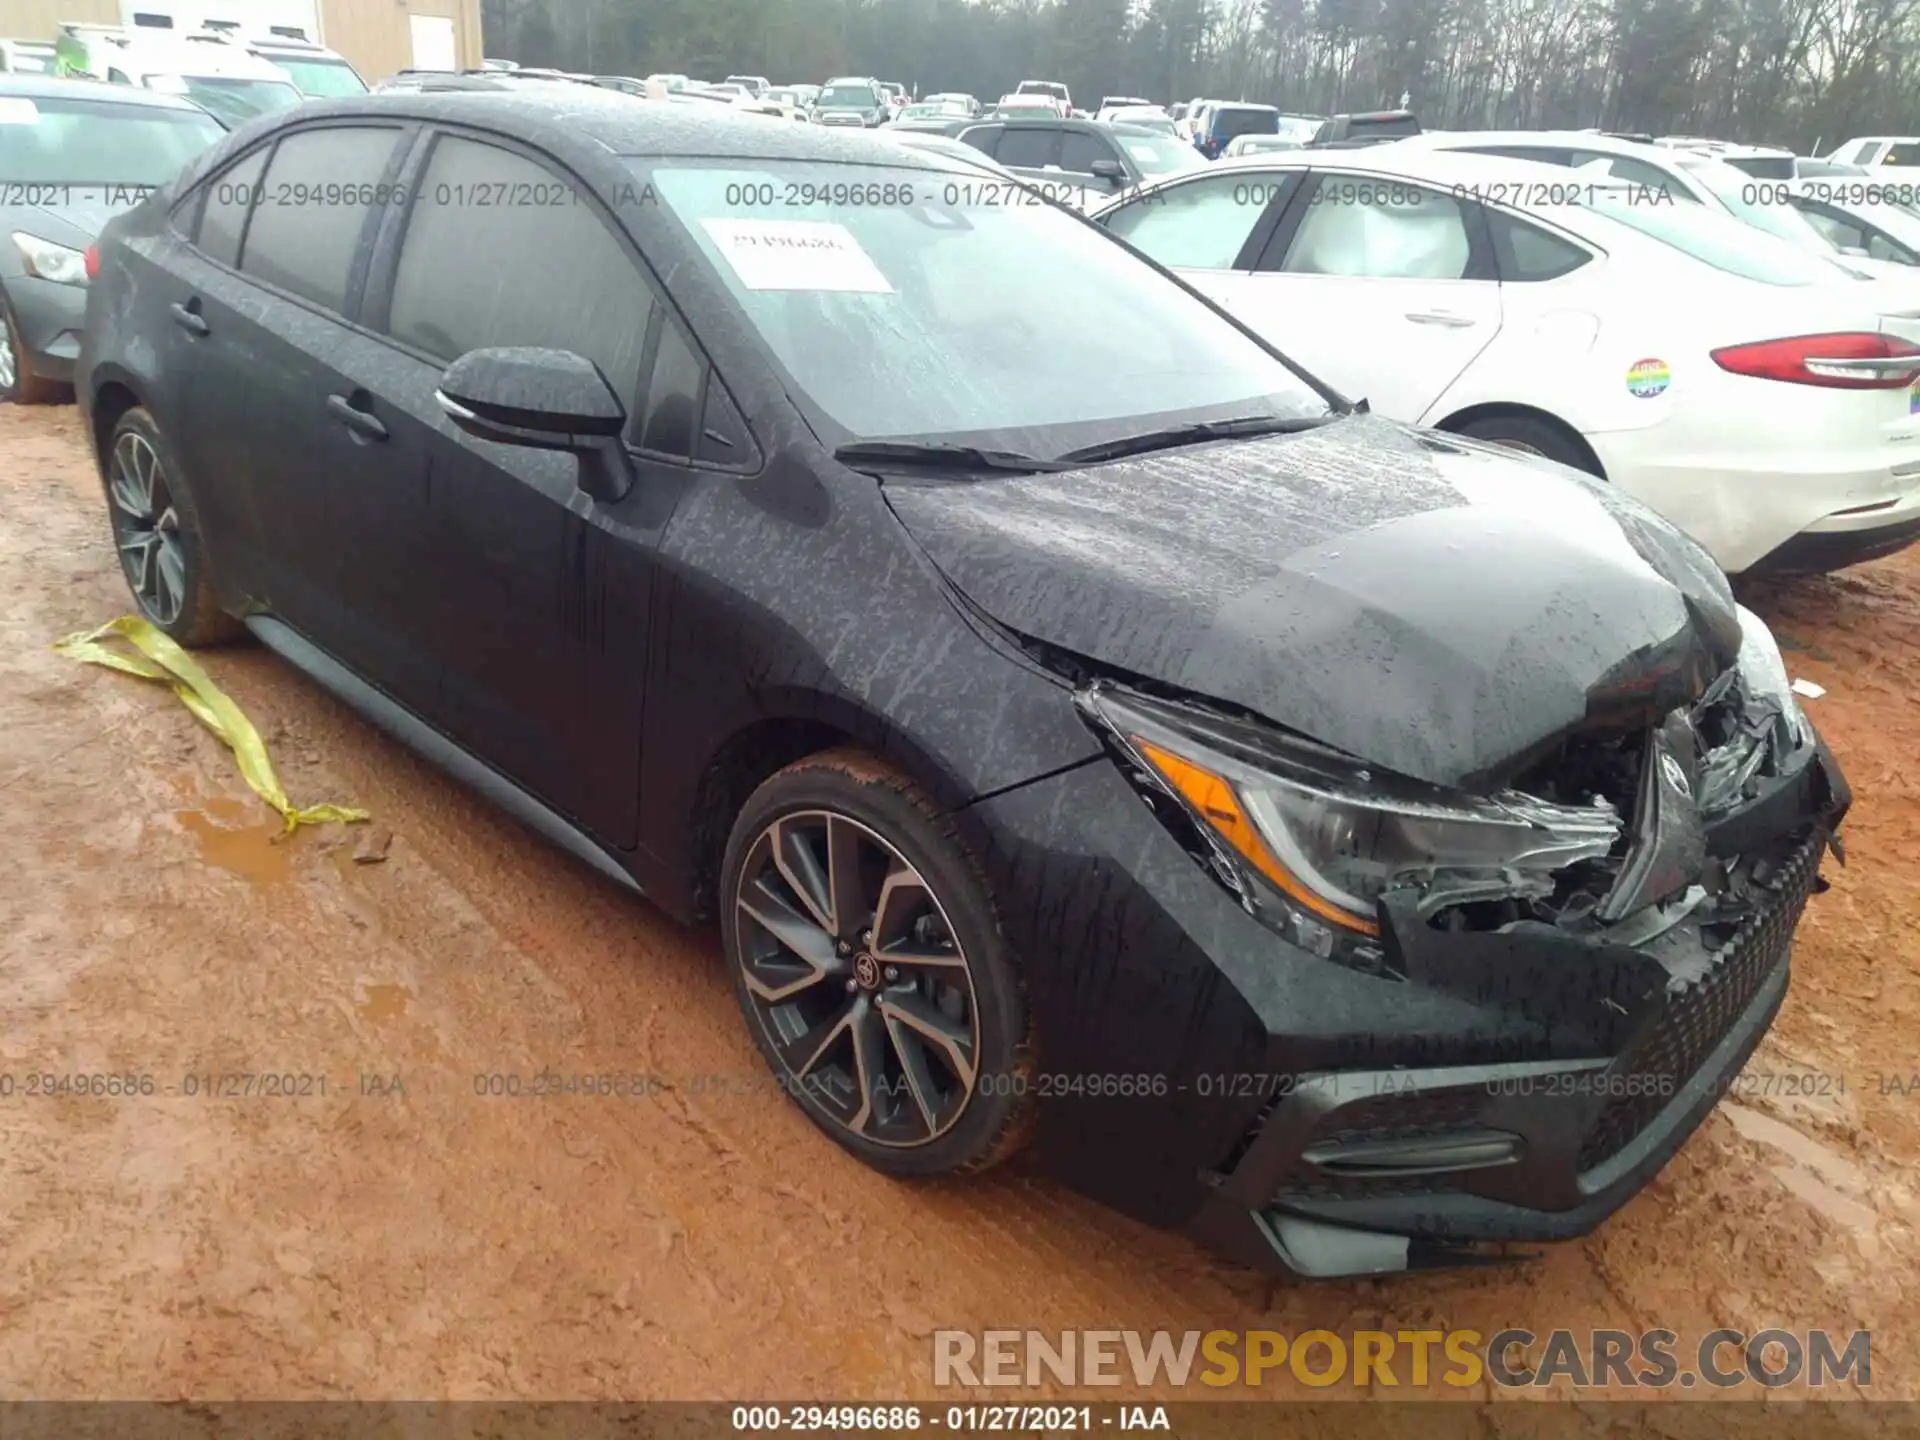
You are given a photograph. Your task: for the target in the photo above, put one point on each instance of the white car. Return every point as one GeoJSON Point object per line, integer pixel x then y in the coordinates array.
{"type": "Point", "coordinates": [1260, 145]}
{"type": "Point", "coordinates": [1888, 157]}
{"type": "Point", "coordinates": [1685, 174]}
{"type": "Point", "coordinates": [1860, 217]}
{"type": "Point", "coordinates": [1144, 117]}
{"type": "Point", "coordinates": [1759, 396]}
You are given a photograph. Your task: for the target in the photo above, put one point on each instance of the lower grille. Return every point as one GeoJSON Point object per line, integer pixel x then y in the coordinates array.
{"type": "Point", "coordinates": [1697, 1017]}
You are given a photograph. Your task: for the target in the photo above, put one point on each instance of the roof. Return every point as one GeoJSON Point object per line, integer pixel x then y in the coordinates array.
{"type": "Point", "coordinates": [619, 124]}
{"type": "Point", "coordinates": [54, 87]}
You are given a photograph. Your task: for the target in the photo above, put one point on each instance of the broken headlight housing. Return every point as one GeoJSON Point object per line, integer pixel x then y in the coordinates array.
{"type": "Point", "coordinates": [1310, 841]}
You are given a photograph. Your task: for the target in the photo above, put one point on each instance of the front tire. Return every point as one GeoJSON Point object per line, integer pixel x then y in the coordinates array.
{"type": "Point", "coordinates": [157, 532]}
{"type": "Point", "coordinates": [870, 967]}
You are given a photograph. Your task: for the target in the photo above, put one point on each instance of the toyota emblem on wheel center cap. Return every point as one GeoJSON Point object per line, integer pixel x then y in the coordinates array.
{"type": "Point", "coordinates": [866, 970]}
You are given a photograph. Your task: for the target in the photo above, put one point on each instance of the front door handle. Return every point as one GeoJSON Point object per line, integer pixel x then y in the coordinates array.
{"type": "Point", "coordinates": [1444, 318]}
{"type": "Point", "coordinates": [190, 319]}
{"type": "Point", "coordinates": [360, 422]}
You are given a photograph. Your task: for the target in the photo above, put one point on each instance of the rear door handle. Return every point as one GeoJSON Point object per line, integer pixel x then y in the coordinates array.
{"type": "Point", "coordinates": [360, 422]}
{"type": "Point", "coordinates": [190, 320]}
{"type": "Point", "coordinates": [1444, 318]}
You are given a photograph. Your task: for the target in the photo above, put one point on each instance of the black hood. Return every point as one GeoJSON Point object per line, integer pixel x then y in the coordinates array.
{"type": "Point", "coordinates": [1444, 609]}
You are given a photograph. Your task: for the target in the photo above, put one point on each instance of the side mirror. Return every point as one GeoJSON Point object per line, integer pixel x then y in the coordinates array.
{"type": "Point", "coordinates": [1111, 171]}
{"type": "Point", "coordinates": [546, 400]}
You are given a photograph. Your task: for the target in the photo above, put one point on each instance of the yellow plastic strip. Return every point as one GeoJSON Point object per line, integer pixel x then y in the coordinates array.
{"type": "Point", "coordinates": [159, 658]}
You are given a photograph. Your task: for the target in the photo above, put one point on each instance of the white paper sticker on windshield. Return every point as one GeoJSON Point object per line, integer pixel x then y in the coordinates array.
{"type": "Point", "coordinates": [17, 111]}
{"type": "Point", "coordinates": [797, 255]}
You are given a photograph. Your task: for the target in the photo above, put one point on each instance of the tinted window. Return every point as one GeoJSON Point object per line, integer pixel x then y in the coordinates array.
{"type": "Point", "coordinates": [1079, 149]}
{"type": "Point", "coordinates": [1231, 120]}
{"type": "Point", "coordinates": [673, 395]}
{"type": "Point", "coordinates": [1539, 154]}
{"type": "Point", "coordinates": [1361, 227]}
{"type": "Point", "coordinates": [307, 219]}
{"type": "Point", "coordinates": [474, 274]}
{"type": "Point", "coordinates": [982, 138]}
{"type": "Point", "coordinates": [1526, 252]}
{"type": "Point", "coordinates": [1027, 145]}
{"type": "Point", "coordinates": [1902, 154]}
{"type": "Point", "coordinates": [1200, 225]}
{"type": "Point", "coordinates": [1763, 167]}
{"type": "Point", "coordinates": [1392, 125]}
{"type": "Point", "coordinates": [229, 195]}
{"type": "Point", "coordinates": [1862, 153]}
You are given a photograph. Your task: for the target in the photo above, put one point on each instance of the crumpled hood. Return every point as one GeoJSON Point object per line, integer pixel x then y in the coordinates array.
{"type": "Point", "coordinates": [1441, 608]}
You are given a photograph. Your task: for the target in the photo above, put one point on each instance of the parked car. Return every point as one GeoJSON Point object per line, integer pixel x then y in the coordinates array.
{"type": "Point", "coordinates": [896, 95]}
{"type": "Point", "coordinates": [1662, 172]}
{"type": "Point", "coordinates": [1220, 123]}
{"type": "Point", "coordinates": [26, 57]}
{"type": "Point", "coordinates": [1034, 106]}
{"type": "Point", "coordinates": [1888, 157]}
{"type": "Point", "coordinates": [960, 98]}
{"type": "Point", "coordinates": [221, 78]}
{"type": "Point", "coordinates": [1079, 162]}
{"type": "Point", "coordinates": [672, 81]}
{"type": "Point", "coordinates": [1142, 117]}
{"type": "Point", "coordinates": [1258, 145]}
{"type": "Point", "coordinates": [316, 71]}
{"type": "Point", "coordinates": [1857, 219]}
{"type": "Point", "coordinates": [1175, 722]}
{"type": "Point", "coordinates": [73, 153]}
{"type": "Point", "coordinates": [1368, 128]}
{"type": "Point", "coordinates": [942, 114]}
{"type": "Point", "coordinates": [851, 100]}
{"type": "Point", "coordinates": [1051, 89]}
{"type": "Point", "coordinates": [1122, 102]}
{"type": "Point", "coordinates": [1753, 393]}
{"type": "Point", "coordinates": [755, 85]}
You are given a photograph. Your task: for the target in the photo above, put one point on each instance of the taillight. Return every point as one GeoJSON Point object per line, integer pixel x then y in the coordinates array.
{"type": "Point", "coordinates": [1849, 360]}
{"type": "Point", "coordinates": [91, 260]}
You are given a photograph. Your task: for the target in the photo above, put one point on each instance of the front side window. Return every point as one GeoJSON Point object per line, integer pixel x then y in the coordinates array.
{"type": "Point", "coordinates": [1028, 147]}
{"type": "Point", "coordinates": [313, 204]}
{"type": "Point", "coordinates": [944, 311]}
{"type": "Point", "coordinates": [500, 250]}
{"type": "Point", "coordinates": [1383, 230]}
{"type": "Point", "coordinates": [1200, 225]}
{"type": "Point", "coordinates": [1078, 151]}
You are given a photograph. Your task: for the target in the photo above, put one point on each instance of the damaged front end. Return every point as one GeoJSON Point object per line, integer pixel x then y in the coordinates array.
{"type": "Point", "coordinates": [1613, 920]}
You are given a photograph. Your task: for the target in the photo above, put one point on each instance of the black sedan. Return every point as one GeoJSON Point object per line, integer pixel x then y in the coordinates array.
{"type": "Point", "coordinates": [72, 154]}
{"type": "Point", "coordinates": [1349, 843]}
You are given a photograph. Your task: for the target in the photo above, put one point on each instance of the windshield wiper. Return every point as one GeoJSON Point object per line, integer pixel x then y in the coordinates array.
{"type": "Point", "coordinates": [1193, 434]}
{"type": "Point", "coordinates": [939, 455]}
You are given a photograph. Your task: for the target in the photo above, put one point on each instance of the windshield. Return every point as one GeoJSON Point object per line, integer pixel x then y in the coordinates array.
{"type": "Point", "coordinates": [1718, 240]}
{"type": "Point", "coordinates": [235, 101]}
{"type": "Point", "coordinates": [1160, 154]}
{"type": "Point", "coordinates": [58, 141]}
{"type": "Point", "coordinates": [322, 78]}
{"type": "Point", "coordinates": [920, 303]}
{"type": "Point", "coordinates": [1754, 203]}
{"type": "Point", "coordinates": [850, 97]}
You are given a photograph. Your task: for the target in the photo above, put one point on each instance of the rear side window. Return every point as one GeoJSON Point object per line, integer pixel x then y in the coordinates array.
{"type": "Point", "coordinates": [309, 214]}
{"type": "Point", "coordinates": [1903, 154]}
{"type": "Point", "coordinates": [982, 138]}
{"type": "Point", "coordinates": [487, 260]}
{"type": "Point", "coordinates": [1526, 252]}
{"type": "Point", "coordinates": [229, 196]}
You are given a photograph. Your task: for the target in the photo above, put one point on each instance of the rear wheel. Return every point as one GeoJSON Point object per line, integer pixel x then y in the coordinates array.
{"type": "Point", "coordinates": [157, 533]}
{"type": "Point", "coordinates": [17, 382]}
{"type": "Point", "coordinates": [870, 967]}
{"type": "Point", "coordinates": [1533, 435]}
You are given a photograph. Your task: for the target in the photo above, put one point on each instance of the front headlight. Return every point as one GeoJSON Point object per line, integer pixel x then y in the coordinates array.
{"type": "Point", "coordinates": [1764, 673]}
{"type": "Point", "coordinates": [48, 261]}
{"type": "Point", "coordinates": [1314, 841]}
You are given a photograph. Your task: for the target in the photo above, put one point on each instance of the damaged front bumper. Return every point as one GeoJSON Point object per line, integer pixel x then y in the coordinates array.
{"type": "Point", "coordinates": [1461, 1075]}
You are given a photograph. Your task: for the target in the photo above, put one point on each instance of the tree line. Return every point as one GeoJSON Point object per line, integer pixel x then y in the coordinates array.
{"type": "Point", "coordinates": [1803, 73]}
